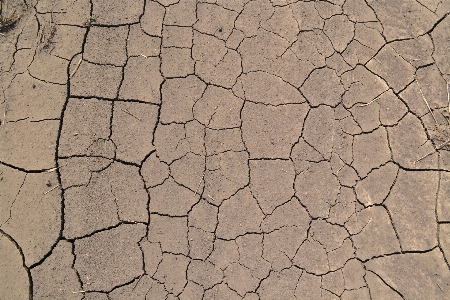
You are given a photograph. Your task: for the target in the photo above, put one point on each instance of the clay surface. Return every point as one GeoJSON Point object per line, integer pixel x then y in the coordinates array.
{"type": "Point", "coordinates": [218, 149]}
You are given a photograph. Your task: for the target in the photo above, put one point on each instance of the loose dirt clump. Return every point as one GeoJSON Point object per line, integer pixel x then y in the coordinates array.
{"type": "Point", "coordinates": [8, 17]}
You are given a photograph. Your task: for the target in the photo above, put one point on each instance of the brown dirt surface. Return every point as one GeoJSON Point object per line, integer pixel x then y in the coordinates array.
{"type": "Point", "coordinates": [224, 149]}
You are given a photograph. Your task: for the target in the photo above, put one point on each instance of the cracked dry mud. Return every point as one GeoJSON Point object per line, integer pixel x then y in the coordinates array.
{"type": "Point", "coordinates": [225, 149]}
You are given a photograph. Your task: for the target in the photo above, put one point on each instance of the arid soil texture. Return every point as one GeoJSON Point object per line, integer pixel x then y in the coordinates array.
{"type": "Point", "coordinates": [224, 149]}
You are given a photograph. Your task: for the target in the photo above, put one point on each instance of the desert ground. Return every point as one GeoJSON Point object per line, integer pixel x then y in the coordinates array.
{"type": "Point", "coordinates": [224, 149]}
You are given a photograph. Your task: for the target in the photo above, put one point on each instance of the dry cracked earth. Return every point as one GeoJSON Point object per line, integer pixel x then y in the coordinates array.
{"type": "Point", "coordinates": [225, 149]}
